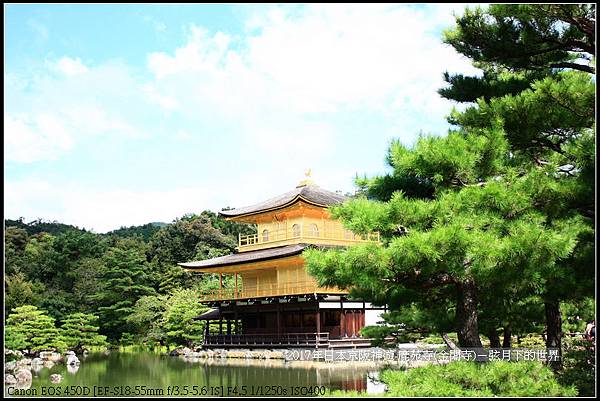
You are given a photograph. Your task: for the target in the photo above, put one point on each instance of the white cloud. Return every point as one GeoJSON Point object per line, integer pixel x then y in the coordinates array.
{"type": "Point", "coordinates": [202, 52]}
{"type": "Point", "coordinates": [283, 89]}
{"type": "Point", "coordinates": [99, 209]}
{"type": "Point", "coordinates": [168, 103]}
{"type": "Point", "coordinates": [69, 66]}
{"type": "Point", "coordinates": [48, 115]}
{"type": "Point", "coordinates": [183, 135]}
{"type": "Point", "coordinates": [29, 138]}
{"type": "Point", "coordinates": [326, 59]}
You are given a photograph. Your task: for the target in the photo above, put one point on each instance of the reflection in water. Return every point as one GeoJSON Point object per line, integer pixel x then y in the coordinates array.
{"type": "Point", "coordinates": [374, 386]}
{"type": "Point", "coordinates": [72, 369]}
{"type": "Point", "coordinates": [160, 371]}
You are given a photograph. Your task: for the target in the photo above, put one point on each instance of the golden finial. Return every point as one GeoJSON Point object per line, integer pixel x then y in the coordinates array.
{"type": "Point", "coordinates": [307, 181]}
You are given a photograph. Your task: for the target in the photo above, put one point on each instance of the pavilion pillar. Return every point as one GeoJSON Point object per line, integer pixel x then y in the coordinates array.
{"type": "Point", "coordinates": [278, 319]}
{"type": "Point", "coordinates": [221, 326]}
{"type": "Point", "coordinates": [318, 320]}
{"type": "Point", "coordinates": [236, 286]}
{"type": "Point", "coordinates": [342, 323]}
{"type": "Point", "coordinates": [228, 327]}
{"type": "Point", "coordinates": [220, 281]}
{"type": "Point", "coordinates": [237, 323]}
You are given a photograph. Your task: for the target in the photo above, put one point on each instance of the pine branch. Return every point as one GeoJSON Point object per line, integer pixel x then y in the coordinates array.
{"type": "Point", "coordinates": [574, 66]}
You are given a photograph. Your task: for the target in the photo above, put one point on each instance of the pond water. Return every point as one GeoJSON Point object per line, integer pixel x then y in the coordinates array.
{"type": "Point", "coordinates": [152, 374]}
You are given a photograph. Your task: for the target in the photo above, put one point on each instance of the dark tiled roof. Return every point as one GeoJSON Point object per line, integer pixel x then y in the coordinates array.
{"type": "Point", "coordinates": [245, 257]}
{"type": "Point", "coordinates": [311, 193]}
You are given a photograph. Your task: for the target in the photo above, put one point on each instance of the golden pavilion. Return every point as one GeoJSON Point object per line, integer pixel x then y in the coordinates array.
{"type": "Point", "coordinates": [275, 301]}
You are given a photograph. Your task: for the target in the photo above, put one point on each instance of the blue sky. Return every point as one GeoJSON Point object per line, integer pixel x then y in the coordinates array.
{"type": "Point", "coordinates": [118, 115]}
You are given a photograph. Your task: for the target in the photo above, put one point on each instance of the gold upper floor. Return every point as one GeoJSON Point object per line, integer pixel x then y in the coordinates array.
{"type": "Point", "coordinates": [300, 223]}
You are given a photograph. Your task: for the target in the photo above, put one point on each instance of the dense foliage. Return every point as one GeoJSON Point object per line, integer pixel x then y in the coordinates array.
{"type": "Point", "coordinates": [98, 288]}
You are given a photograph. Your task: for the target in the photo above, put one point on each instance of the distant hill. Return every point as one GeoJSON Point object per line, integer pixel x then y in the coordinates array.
{"type": "Point", "coordinates": [38, 226]}
{"type": "Point", "coordinates": [145, 231]}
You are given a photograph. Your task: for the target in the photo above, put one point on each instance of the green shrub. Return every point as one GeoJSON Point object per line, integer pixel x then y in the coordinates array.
{"type": "Point", "coordinates": [508, 379]}
{"type": "Point", "coordinates": [471, 379]}
{"type": "Point", "coordinates": [432, 340]}
{"type": "Point", "coordinates": [532, 341]}
{"type": "Point", "coordinates": [578, 366]}
{"type": "Point", "coordinates": [33, 329]}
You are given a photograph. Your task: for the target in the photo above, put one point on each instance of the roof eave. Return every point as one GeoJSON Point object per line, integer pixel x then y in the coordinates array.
{"type": "Point", "coordinates": [242, 262]}
{"type": "Point", "coordinates": [260, 211]}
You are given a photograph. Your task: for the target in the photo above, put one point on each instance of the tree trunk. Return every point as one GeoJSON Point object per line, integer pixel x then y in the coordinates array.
{"type": "Point", "coordinates": [448, 341]}
{"type": "Point", "coordinates": [553, 331]}
{"type": "Point", "coordinates": [466, 315]}
{"type": "Point", "coordinates": [494, 338]}
{"type": "Point", "coordinates": [507, 340]}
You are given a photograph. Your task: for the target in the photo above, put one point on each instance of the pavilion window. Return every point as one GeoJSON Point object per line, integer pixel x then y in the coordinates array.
{"type": "Point", "coordinates": [314, 230]}
{"type": "Point", "coordinates": [296, 230]}
{"type": "Point", "coordinates": [265, 235]}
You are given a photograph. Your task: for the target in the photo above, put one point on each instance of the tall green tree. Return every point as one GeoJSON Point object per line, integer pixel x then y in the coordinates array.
{"type": "Point", "coordinates": [191, 237]}
{"type": "Point", "coordinates": [480, 225]}
{"type": "Point", "coordinates": [178, 318]}
{"type": "Point", "coordinates": [15, 240]}
{"type": "Point", "coordinates": [528, 36]}
{"type": "Point", "coordinates": [500, 207]}
{"type": "Point", "coordinates": [19, 291]}
{"type": "Point", "coordinates": [538, 63]}
{"type": "Point", "coordinates": [124, 279]}
{"type": "Point", "coordinates": [146, 319]}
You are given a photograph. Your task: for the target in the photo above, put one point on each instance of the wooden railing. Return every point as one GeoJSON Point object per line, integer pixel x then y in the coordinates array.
{"type": "Point", "coordinates": [304, 233]}
{"type": "Point", "coordinates": [284, 339]}
{"type": "Point", "coordinates": [267, 290]}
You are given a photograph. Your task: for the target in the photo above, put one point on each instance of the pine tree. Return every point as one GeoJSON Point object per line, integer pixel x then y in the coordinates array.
{"type": "Point", "coordinates": [34, 329]}
{"type": "Point", "coordinates": [124, 280]}
{"type": "Point", "coordinates": [548, 122]}
{"type": "Point", "coordinates": [14, 339]}
{"type": "Point", "coordinates": [497, 214]}
{"type": "Point", "coordinates": [79, 332]}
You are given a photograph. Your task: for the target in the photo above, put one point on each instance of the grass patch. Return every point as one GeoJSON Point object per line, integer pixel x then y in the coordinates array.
{"type": "Point", "coordinates": [470, 379]}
